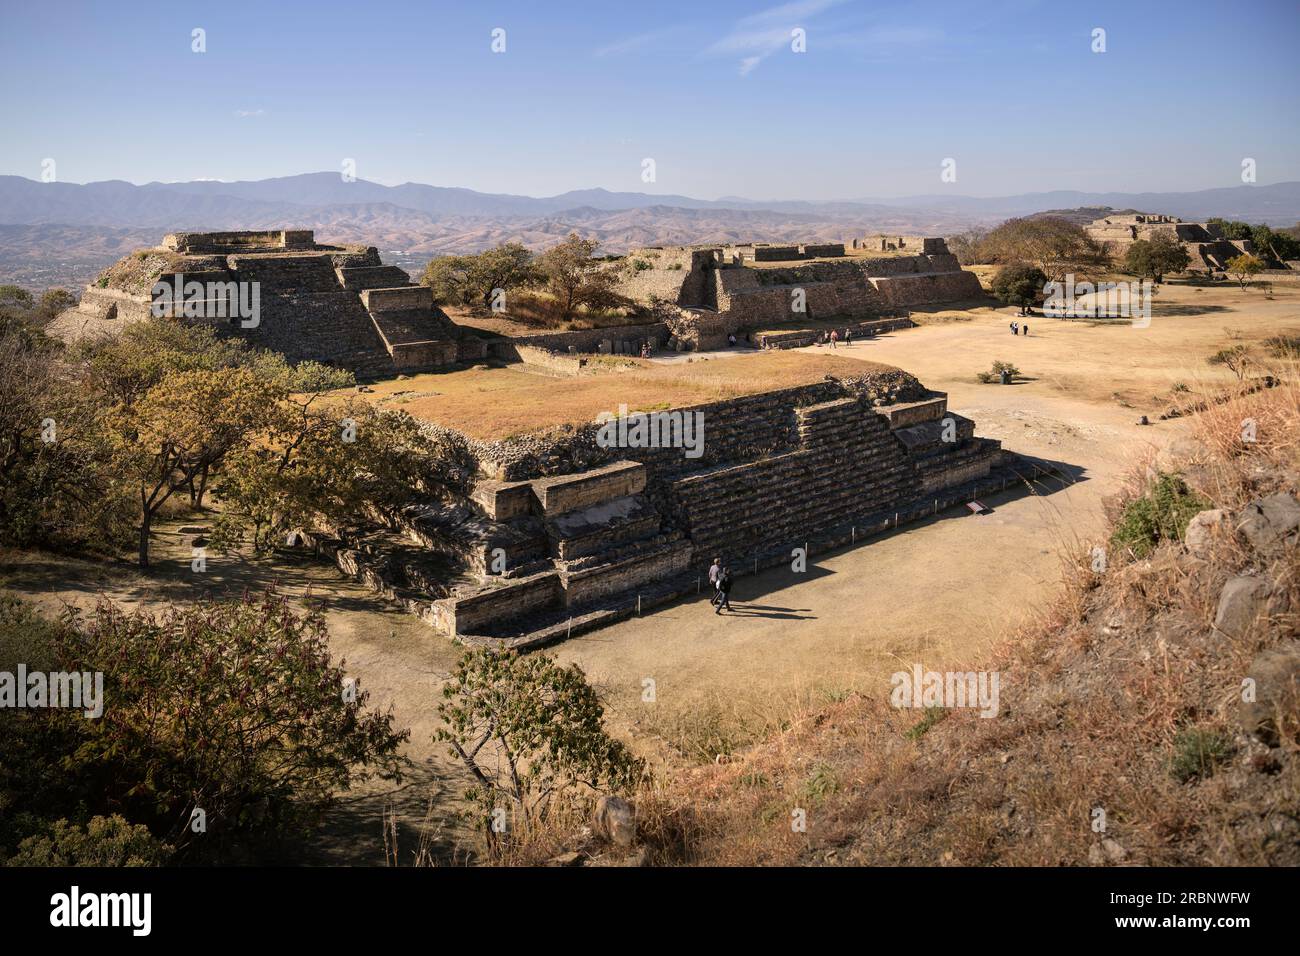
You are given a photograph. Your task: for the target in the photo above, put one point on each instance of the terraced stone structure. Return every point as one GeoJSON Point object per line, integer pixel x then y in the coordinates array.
{"type": "Point", "coordinates": [734, 289]}
{"type": "Point", "coordinates": [560, 534]}
{"type": "Point", "coordinates": [335, 304]}
{"type": "Point", "coordinates": [1207, 247]}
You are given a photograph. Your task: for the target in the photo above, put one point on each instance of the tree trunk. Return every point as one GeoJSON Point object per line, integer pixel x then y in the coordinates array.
{"type": "Point", "coordinates": [145, 521]}
{"type": "Point", "coordinates": [203, 487]}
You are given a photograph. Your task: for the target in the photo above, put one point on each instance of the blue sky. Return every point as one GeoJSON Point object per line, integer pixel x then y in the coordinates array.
{"type": "Point", "coordinates": [712, 92]}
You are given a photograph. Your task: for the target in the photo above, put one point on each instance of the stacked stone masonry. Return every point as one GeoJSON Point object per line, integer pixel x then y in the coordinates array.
{"type": "Point", "coordinates": [333, 304]}
{"type": "Point", "coordinates": [560, 553]}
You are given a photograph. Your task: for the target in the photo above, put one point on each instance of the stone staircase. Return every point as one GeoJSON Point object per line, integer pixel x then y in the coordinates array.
{"type": "Point", "coordinates": [552, 556]}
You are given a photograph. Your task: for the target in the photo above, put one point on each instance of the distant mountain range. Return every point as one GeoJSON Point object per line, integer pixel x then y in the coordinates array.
{"type": "Point", "coordinates": [50, 232]}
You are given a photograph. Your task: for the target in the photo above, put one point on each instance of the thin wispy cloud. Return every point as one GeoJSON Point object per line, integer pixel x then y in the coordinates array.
{"type": "Point", "coordinates": [759, 35]}
{"type": "Point", "coordinates": [242, 114]}
{"type": "Point", "coordinates": [642, 41]}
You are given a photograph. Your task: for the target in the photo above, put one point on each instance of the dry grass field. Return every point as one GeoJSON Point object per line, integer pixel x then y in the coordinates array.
{"type": "Point", "coordinates": [492, 403]}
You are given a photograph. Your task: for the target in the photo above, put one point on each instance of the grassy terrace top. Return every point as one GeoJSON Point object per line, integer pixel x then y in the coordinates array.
{"type": "Point", "coordinates": [494, 403]}
{"type": "Point", "coordinates": [850, 255]}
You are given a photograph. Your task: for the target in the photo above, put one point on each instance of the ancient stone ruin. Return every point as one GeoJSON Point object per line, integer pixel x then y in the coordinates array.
{"type": "Point", "coordinates": [730, 290]}
{"type": "Point", "coordinates": [1207, 247]}
{"type": "Point", "coordinates": [558, 534]}
{"type": "Point", "coordinates": [335, 304]}
{"type": "Point", "coordinates": [557, 531]}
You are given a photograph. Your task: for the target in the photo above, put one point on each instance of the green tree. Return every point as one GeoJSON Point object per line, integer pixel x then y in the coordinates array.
{"type": "Point", "coordinates": [1155, 257]}
{"type": "Point", "coordinates": [473, 279]}
{"type": "Point", "coordinates": [185, 426]}
{"type": "Point", "coordinates": [448, 278]}
{"type": "Point", "coordinates": [59, 485]}
{"type": "Point", "coordinates": [531, 734]}
{"type": "Point", "coordinates": [15, 297]}
{"type": "Point", "coordinates": [337, 465]}
{"type": "Point", "coordinates": [1244, 267]}
{"type": "Point", "coordinates": [54, 301]}
{"type": "Point", "coordinates": [1018, 283]}
{"type": "Point", "coordinates": [234, 708]}
{"type": "Point", "coordinates": [129, 364]}
{"type": "Point", "coordinates": [1057, 246]}
{"type": "Point", "coordinates": [575, 278]}
{"type": "Point", "coordinates": [1278, 246]}
{"type": "Point", "coordinates": [1230, 228]}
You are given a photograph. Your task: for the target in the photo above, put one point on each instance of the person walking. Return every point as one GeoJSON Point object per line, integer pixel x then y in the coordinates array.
{"type": "Point", "coordinates": [835, 337]}
{"type": "Point", "coordinates": [724, 589]}
{"type": "Point", "coordinates": [1015, 328]}
{"type": "Point", "coordinates": [848, 337]}
{"type": "Point", "coordinates": [715, 572]}
{"type": "Point", "coordinates": [1025, 327]}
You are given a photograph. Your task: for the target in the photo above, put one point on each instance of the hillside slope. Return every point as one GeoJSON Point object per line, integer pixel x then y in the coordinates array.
{"type": "Point", "coordinates": [1125, 733]}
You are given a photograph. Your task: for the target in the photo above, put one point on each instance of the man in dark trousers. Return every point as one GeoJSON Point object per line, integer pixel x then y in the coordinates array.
{"type": "Point", "coordinates": [724, 589]}
{"type": "Point", "coordinates": [715, 572]}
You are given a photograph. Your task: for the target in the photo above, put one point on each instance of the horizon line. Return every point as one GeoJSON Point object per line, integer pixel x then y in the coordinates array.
{"type": "Point", "coordinates": [604, 189]}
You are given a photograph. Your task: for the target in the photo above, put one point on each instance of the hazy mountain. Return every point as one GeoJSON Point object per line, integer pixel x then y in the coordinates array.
{"type": "Point", "coordinates": [298, 198]}
{"type": "Point", "coordinates": [64, 233]}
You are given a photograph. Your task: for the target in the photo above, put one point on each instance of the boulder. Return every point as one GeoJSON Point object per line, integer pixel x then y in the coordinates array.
{"type": "Point", "coordinates": [1201, 530]}
{"type": "Point", "coordinates": [615, 819]}
{"type": "Point", "coordinates": [1243, 599]}
{"type": "Point", "coordinates": [1270, 522]}
{"type": "Point", "coordinates": [1276, 676]}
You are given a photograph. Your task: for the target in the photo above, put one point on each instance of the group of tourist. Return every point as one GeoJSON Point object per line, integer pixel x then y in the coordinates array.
{"type": "Point", "coordinates": [833, 337]}
{"type": "Point", "coordinates": [720, 582]}
{"type": "Point", "coordinates": [1017, 327]}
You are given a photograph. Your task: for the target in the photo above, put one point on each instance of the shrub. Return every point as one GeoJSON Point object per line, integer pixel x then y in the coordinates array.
{"type": "Point", "coordinates": [1162, 514]}
{"type": "Point", "coordinates": [996, 374]}
{"type": "Point", "coordinates": [821, 783]}
{"type": "Point", "coordinates": [1284, 346]}
{"type": "Point", "coordinates": [1196, 754]}
{"type": "Point", "coordinates": [104, 841]}
{"type": "Point", "coordinates": [1236, 359]}
{"type": "Point", "coordinates": [931, 717]}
